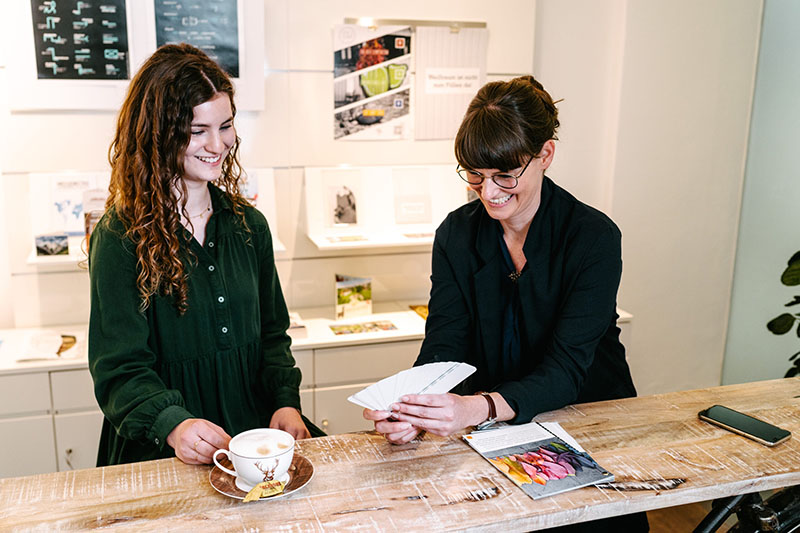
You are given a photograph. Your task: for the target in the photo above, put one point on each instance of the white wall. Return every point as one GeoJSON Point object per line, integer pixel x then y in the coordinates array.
{"type": "Point", "coordinates": [656, 112]}
{"type": "Point", "coordinates": [770, 222]}
{"type": "Point", "coordinates": [6, 305]}
{"type": "Point", "coordinates": [586, 74]}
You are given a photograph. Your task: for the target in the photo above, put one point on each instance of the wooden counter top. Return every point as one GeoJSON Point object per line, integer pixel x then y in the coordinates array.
{"type": "Point", "coordinates": [439, 484]}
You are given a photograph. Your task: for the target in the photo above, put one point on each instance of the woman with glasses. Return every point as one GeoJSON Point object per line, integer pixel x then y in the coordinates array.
{"type": "Point", "coordinates": [524, 282]}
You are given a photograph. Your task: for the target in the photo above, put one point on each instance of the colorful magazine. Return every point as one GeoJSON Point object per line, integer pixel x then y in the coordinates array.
{"type": "Point", "coordinates": [541, 460]}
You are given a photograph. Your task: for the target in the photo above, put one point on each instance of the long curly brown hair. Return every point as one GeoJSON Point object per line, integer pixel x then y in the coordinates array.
{"type": "Point", "coordinates": [146, 157]}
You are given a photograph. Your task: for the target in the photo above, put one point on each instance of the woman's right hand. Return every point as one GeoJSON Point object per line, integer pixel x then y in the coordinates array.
{"type": "Point", "coordinates": [394, 431]}
{"type": "Point", "coordinates": [195, 440]}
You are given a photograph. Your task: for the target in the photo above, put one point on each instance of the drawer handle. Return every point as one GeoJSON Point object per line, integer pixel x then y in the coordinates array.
{"type": "Point", "coordinates": [325, 425]}
{"type": "Point", "coordinates": [68, 458]}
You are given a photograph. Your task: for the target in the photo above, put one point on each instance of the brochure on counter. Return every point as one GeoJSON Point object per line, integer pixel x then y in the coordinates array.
{"type": "Point", "coordinates": [541, 459]}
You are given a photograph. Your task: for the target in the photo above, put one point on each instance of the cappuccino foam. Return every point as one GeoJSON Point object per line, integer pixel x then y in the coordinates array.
{"type": "Point", "coordinates": [259, 446]}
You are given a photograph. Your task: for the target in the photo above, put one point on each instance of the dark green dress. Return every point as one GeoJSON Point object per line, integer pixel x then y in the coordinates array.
{"type": "Point", "coordinates": [226, 360]}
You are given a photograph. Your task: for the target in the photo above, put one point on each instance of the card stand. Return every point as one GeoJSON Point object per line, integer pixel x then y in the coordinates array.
{"type": "Point", "coordinates": [260, 190]}
{"type": "Point", "coordinates": [351, 208]}
{"type": "Point", "coordinates": [75, 257]}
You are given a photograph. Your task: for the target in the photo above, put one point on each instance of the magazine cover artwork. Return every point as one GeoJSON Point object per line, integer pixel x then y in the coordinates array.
{"type": "Point", "coordinates": [541, 464]}
{"type": "Point", "coordinates": [372, 87]}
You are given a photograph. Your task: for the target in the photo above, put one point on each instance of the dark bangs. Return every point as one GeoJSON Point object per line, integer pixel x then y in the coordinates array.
{"type": "Point", "coordinates": [488, 138]}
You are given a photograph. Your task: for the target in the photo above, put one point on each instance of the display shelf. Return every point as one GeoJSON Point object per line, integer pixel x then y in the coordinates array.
{"type": "Point", "coordinates": [351, 208]}
{"type": "Point", "coordinates": [20, 343]}
{"type": "Point", "coordinates": [356, 241]}
{"type": "Point", "coordinates": [260, 190]}
{"type": "Point", "coordinates": [318, 334]}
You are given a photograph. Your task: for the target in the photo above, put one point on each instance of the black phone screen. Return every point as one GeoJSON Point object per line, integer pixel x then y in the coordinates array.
{"type": "Point", "coordinates": [745, 423]}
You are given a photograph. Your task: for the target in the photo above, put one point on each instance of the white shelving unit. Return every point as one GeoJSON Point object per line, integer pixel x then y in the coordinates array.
{"type": "Point", "coordinates": [350, 208]}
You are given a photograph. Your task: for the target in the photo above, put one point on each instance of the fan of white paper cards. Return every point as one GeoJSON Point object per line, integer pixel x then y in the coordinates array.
{"type": "Point", "coordinates": [433, 378]}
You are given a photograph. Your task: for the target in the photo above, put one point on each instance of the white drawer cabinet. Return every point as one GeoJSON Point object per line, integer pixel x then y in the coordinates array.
{"type": "Point", "coordinates": [77, 438]}
{"type": "Point", "coordinates": [72, 389]}
{"type": "Point", "coordinates": [26, 425]}
{"type": "Point", "coordinates": [334, 414]}
{"type": "Point", "coordinates": [77, 419]}
{"type": "Point", "coordinates": [49, 421]}
{"type": "Point", "coordinates": [27, 446]}
{"type": "Point", "coordinates": [363, 363]}
{"type": "Point", "coordinates": [24, 393]}
{"type": "Point", "coordinates": [331, 375]}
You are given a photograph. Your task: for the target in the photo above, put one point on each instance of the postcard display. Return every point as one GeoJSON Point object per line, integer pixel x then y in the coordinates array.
{"type": "Point", "coordinates": [367, 207]}
{"type": "Point", "coordinates": [81, 55]}
{"type": "Point", "coordinates": [64, 207]}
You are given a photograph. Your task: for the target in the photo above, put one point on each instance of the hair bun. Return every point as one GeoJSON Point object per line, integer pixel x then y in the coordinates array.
{"type": "Point", "coordinates": [544, 96]}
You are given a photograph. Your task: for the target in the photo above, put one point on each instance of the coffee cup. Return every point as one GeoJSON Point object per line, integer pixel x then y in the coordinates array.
{"type": "Point", "coordinates": [258, 455]}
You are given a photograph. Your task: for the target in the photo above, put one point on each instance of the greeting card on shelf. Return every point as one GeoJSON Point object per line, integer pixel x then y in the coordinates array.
{"type": "Point", "coordinates": [542, 460]}
{"type": "Point", "coordinates": [52, 244]}
{"type": "Point", "coordinates": [353, 296]}
{"type": "Point", "coordinates": [375, 326]}
{"type": "Point", "coordinates": [366, 207]}
{"type": "Point", "coordinates": [65, 203]}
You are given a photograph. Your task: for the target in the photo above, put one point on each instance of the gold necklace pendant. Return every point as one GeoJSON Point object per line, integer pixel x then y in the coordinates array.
{"type": "Point", "coordinates": [206, 211]}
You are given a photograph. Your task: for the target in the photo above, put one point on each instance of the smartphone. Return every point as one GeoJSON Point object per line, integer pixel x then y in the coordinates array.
{"type": "Point", "coordinates": [745, 425]}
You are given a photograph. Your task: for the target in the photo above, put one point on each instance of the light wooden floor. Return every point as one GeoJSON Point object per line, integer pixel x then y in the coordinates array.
{"type": "Point", "coordinates": [682, 519]}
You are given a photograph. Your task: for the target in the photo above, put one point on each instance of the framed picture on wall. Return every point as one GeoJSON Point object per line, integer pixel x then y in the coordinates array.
{"type": "Point", "coordinates": [81, 55]}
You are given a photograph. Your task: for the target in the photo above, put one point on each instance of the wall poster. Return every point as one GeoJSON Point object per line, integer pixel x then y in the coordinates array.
{"type": "Point", "coordinates": [81, 54]}
{"type": "Point", "coordinates": [80, 40]}
{"type": "Point", "coordinates": [211, 25]}
{"type": "Point", "coordinates": [372, 87]}
{"type": "Point", "coordinates": [451, 67]}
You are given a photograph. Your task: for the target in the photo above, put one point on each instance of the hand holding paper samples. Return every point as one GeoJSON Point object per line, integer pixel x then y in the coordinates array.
{"type": "Point", "coordinates": [433, 378]}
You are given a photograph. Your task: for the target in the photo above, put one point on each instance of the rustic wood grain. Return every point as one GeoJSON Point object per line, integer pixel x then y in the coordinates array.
{"type": "Point", "coordinates": [660, 453]}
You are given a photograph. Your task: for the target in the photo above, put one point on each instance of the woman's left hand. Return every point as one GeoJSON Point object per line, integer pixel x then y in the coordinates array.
{"type": "Point", "coordinates": [289, 420]}
{"type": "Point", "coordinates": [440, 414]}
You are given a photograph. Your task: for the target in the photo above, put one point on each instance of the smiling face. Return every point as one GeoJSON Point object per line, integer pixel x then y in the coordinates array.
{"type": "Point", "coordinates": [211, 139]}
{"type": "Point", "coordinates": [517, 206]}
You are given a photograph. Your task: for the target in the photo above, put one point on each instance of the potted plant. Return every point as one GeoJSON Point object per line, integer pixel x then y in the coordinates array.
{"type": "Point", "coordinates": [785, 322]}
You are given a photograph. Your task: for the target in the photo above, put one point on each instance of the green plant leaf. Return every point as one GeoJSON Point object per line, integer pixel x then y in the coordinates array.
{"type": "Point", "coordinates": [781, 324]}
{"type": "Point", "coordinates": [793, 302]}
{"type": "Point", "coordinates": [791, 276]}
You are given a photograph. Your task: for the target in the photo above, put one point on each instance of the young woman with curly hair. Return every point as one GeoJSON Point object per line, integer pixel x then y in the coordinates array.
{"type": "Point", "coordinates": [187, 333]}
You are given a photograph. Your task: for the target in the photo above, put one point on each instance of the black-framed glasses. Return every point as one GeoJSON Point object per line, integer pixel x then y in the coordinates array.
{"type": "Point", "coordinates": [503, 180]}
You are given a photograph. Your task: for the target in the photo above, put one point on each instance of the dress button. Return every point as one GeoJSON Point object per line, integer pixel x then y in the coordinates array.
{"type": "Point", "coordinates": [156, 441]}
{"type": "Point", "coordinates": [211, 268]}
{"type": "Point", "coordinates": [221, 299]}
{"type": "Point", "coordinates": [224, 329]}
{"type": "Point", "coordinates": [211, 244]}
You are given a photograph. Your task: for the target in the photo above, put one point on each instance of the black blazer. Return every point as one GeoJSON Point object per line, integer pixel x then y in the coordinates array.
{"type": "Point", "coordinates": [571, 351]}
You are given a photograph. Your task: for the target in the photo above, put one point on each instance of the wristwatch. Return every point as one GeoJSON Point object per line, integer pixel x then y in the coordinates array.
{"type": "Point", "coordinates": [492, 411]}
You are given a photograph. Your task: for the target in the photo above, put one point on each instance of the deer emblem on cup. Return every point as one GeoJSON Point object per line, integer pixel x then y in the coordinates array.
{"type": "Point", "coordinates": [268, 472]}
